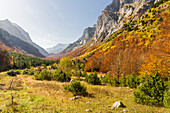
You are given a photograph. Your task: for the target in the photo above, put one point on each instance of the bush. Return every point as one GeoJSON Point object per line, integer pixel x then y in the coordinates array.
{"type": "Point", "coordinates": [77, 73]}
{"type": "Point", "coordinates": [28, 72]}
{"type": "Point", "coordinates": [166, 100]}
{"type": "Point", "coordinates": [44, 66]}
{"type": "Point", "coordinates": [132, 81]}
{"type": "Point", "coordinates": [54, 66]}
{"type": "Point", "coordinates": [84, 74]}
{"type": "Point", "coordinates": [150, 92]}
{"type": "Point", "coordinates": [123, 81]}
{"type": "Point", "coordinates": [76, 88]}
{"type": "Point", "coordinates": [59, 75]}
{"type": "Point", "coordinates": [92, 79]}
{"type": "Point", "coordinates": [114, 82]}
{"type": "Point", "coordinates": [43, 75]}
{"type": "Point", "coordinates": [106, 78]}
{"type": "Point", "coordinates": [11, 73]}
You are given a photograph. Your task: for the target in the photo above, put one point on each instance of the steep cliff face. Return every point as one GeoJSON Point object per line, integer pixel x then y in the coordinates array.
{"type": "Point", "coordinates": [87, 35]}
{"type": "Point", "coordinates": [17, 31]}
{"type": "Point", "coordinates": [114, 15]}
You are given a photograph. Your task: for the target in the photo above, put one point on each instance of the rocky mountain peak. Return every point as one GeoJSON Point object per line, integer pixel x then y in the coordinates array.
{"type": "Point", "coordinates": [115, 14]}
{"type": "Point", "coordinates": [87, 35]}
{"type": "Point", "coordinates": [114, 6]}
{"type": "Point", "coordinates": [6, 21]}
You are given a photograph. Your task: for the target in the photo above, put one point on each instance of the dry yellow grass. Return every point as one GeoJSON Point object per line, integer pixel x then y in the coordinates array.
{"type": "Point", "coordinates": [50, 97]}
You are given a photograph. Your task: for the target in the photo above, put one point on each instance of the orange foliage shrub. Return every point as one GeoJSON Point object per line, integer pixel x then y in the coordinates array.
{"type": "Point", "coordinates": [39, 69]}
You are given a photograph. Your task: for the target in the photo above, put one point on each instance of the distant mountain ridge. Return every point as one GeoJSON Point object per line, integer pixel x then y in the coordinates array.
{"type": "Point", "coordinates": [17, 31]}
{"type": "Point", "coordinates": [87, 35]}
{"type": "Point", "coordinates": [15, 44]}
{"type": "Point", "coordinates": [56, 49]}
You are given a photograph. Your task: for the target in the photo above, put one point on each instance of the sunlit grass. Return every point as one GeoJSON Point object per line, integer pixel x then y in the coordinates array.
{"type": "Point", "coordinates": [50, 96]}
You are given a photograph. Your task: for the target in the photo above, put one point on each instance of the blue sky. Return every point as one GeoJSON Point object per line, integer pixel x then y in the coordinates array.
{"type": "Point", "coordinates": [53, 21]}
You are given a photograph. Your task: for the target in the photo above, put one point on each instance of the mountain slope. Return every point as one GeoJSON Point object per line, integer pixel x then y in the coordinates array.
{"type": "Point", "coordinates": [112, 19]}
{"type": "Point", "coordinates": [143, 38]}
{"type": "Point", "coordinates": [87, 35]}
{"type": "Point", "coordinates": [114, 16]}
{"type": "Point", "coordinates": [17, 31]}
{"type": "Point", "coordinates": [127, 51]}
{"type": "Point", "coordinates": [56, 49]}
{"type": "Point", "coordinates": [79, 45]}
{"type": "Point", "coordinates": [13, 43]}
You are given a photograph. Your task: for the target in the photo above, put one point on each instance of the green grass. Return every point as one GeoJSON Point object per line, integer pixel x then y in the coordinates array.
{"type": "Point", "coordinates": [50, 97]}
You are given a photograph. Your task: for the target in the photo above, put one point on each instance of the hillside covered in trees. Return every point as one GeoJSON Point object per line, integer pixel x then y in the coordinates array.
{"type": "Point", "coordinates": [125, 64]}
{"type": "Point", "coordinates": [13, 60]}
{"type": "Point", "coordinates": [141, 46]}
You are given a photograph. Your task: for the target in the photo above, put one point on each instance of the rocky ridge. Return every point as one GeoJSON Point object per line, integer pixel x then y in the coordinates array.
{"type": "Point", "coordinates": [18, 32]}
{"type": "Point", "coordinates": [114, 15]}
{"type": "Point", "coordinates": [13, 43]}
{"type": "Point", "coordinates": [86, 37]}
{"type": "Point", "coordinates": [56, 49]}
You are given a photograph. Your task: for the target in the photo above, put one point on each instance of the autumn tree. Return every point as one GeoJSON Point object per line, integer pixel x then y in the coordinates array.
{"type": "Point", "coordinates": [65, 64]}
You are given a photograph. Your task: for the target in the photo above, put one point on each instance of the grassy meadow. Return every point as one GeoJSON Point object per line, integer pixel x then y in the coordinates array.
{"type": "Point", "coordinates": [35, 96]}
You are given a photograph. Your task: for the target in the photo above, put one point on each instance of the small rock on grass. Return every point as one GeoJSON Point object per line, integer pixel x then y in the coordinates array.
{"type": "Point", "coordinates": [72, 80]}
{"type": "Point", "coordinates": [88, 102]}
{"type": "Point", "coordinates": [76, 97]}
{"type": "Point", "coordinates": [117, 105]}
{"type": "Point", "coordinates": [124, 110]}
{"type": "Point", "coordinates": [88, 110]}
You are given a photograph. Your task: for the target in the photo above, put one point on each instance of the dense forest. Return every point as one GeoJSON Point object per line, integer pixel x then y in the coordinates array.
{"type": "Point", "coordinates": [20, 61]}
{"type": "Point", "coordinates": [13, 60]}
{"type": "Point", "coordinates": [4, 60]}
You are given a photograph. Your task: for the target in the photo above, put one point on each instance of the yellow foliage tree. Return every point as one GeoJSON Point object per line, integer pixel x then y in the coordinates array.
{"type": "Point", "coordinates": [154, 64]}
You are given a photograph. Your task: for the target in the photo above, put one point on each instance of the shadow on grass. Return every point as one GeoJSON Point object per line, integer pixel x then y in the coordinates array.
{"type": "Point", "coordinates": [90, 95]}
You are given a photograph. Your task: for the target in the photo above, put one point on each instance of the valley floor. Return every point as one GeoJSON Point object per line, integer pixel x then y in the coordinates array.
{"type": "Point", "coordinates": [31, 95]}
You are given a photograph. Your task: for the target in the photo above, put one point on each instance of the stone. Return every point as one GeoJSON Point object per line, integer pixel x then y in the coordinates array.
{"type": "Point", "coordinates": [88, 110]}
{"type": "Point", "coordinates": [72, 80]}
{"type": "Point", "coordinates": [117, 105]}
{"type": "Point", "coordinates": [88, 102]}
{"type": "Point", "coordinates": [119, 87]}
{"type": "Point", "coordinates": [124, 110]}
{"type": "Point", "coordinates": [76, 97]}
{"type": "Point", "coordinates": [17, 72]}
